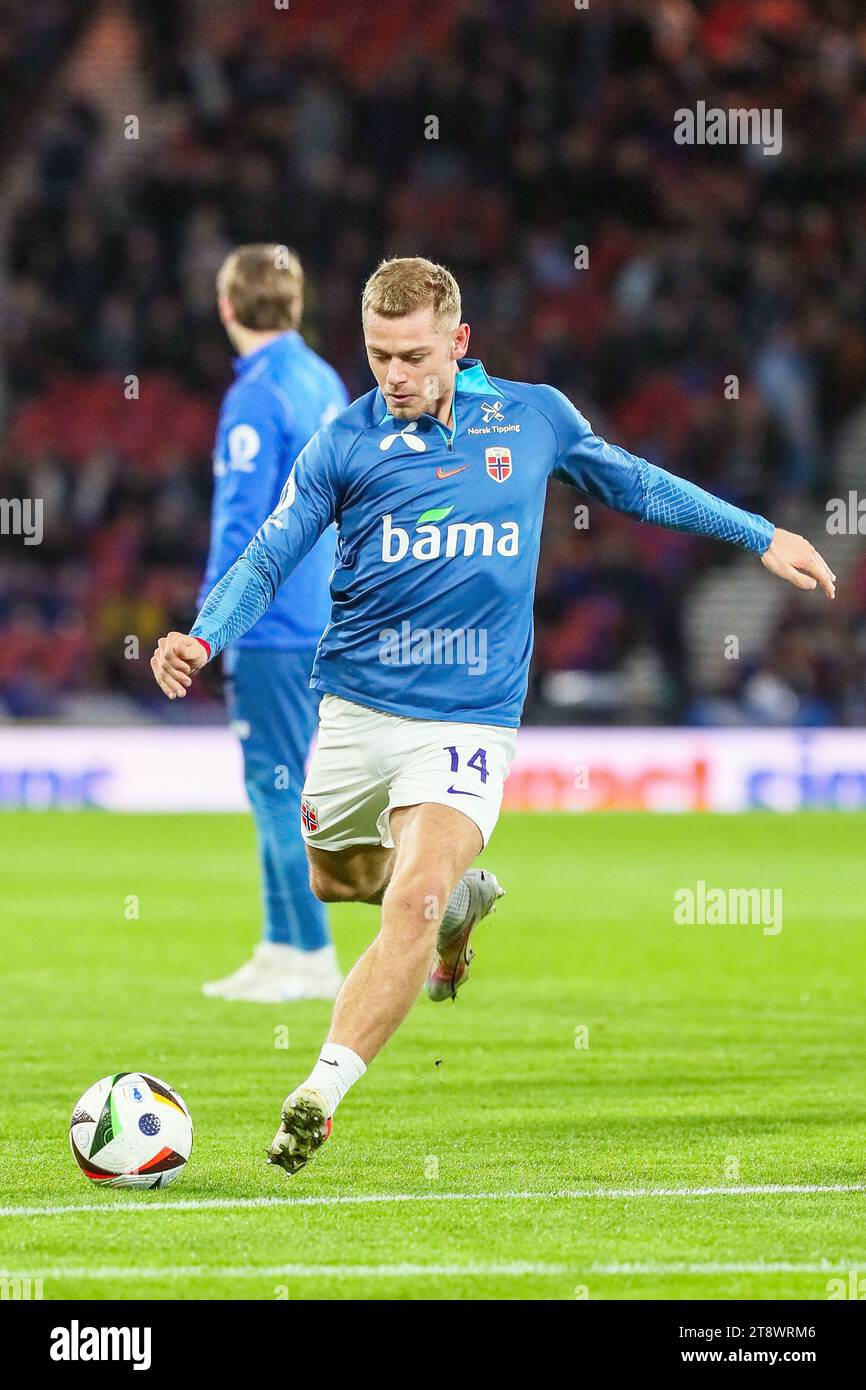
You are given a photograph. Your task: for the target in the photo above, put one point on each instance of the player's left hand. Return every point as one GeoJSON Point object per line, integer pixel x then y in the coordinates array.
{"type": "Point", "coordinates": [794, 558]}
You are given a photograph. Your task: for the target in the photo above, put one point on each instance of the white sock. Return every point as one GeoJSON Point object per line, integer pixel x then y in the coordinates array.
{"type": "Point", "coordinates": [455, 912]}
{"type": "Point", "coordinates": [337, 1069]}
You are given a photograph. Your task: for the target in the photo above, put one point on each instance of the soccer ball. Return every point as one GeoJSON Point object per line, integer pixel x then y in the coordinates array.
{"type": "Point", "coordinates": [131, 1130]}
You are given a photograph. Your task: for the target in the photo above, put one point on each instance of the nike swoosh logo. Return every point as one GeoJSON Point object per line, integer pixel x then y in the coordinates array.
{"type": "Point", "coordinates": [449, 472]}
{"type": "Point", "coordinates": [455, 791]}
{"type": "Point", "coordinates": [327, 1063]}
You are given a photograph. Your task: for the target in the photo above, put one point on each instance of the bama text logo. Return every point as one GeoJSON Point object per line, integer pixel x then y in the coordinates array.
{"type": "Point", "coordinates": [461, 538]}
{"type": "Point", "coordinates": [77, 1343]}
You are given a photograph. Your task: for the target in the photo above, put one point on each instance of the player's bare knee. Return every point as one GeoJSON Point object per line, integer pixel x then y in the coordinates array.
{"type": "Point", "coordinates": [329, 889]}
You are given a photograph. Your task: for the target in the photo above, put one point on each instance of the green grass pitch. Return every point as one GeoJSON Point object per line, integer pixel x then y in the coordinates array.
{"type": "Point", "coordinates": [718, 1057]}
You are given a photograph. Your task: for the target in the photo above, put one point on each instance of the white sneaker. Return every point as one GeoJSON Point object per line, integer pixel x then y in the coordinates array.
{"type": "Point", "coordinates": [279, 974]}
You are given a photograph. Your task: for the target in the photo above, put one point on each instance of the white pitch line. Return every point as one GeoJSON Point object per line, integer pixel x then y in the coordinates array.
{"type": "Point", "coordinates": [379, 1198]}
{"type": "Point", "coordinates": [626, 1267]}
{"type": "Point", "coordinates": [512, 1268]}
{"type": "Point", "coordinates": [297, 1271]}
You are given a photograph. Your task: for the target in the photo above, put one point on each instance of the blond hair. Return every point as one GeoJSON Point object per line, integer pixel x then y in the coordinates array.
{"type": "Point", "coordinates": [264, 283]}
{"type": "Point", "coordinates": [405, 283]}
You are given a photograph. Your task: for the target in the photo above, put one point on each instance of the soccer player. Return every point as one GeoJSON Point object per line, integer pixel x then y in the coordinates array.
{"type": "Point", "coordinates": [437, 480]}
{"type": "Point", "coordinates": [282, 393]}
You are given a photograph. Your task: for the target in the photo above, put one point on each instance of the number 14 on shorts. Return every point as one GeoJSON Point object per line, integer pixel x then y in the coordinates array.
{"type": "Point", "coordinates": [478, 762]}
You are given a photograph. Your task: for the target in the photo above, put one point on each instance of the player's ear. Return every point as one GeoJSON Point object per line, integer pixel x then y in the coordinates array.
{"type": "Point", "coordinates": [460, 346]}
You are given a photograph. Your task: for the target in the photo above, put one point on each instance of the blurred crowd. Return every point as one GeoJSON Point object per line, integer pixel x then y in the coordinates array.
{"type": "Point", "coordinates": [705, 306]}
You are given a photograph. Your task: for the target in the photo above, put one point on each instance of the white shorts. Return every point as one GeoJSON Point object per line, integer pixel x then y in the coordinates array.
{"type": "Point", "coordinates": [366, 763]}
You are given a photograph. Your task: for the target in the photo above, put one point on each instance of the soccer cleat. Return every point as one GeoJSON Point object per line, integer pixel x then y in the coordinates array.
{"type": "Point", "coordinates": [304, 1127]}
{"type": "Point", "coordinates": [454, 955]}
{"type": "Point", "coordinates": [279, 974]}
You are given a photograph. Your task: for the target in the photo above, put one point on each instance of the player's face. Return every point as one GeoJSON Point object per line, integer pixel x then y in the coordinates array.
{"type": "Point", "coordinates": [414, 360]}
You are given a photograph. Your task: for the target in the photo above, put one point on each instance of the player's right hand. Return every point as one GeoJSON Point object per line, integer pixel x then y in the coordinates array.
{"type": "Point", "coordinates": [175, 662]}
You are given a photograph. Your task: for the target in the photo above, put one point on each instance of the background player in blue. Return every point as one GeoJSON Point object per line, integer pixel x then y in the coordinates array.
{"type": "Point", "coordinates": [282, 393]}
{"type": "Point", "coordinates": [437, 480]}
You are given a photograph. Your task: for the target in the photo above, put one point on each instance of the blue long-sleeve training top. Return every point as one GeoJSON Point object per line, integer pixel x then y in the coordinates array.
{"type": "Point", "coordinates": [439, 534]}
{"type": "Point", "coordinates": [282, 394]}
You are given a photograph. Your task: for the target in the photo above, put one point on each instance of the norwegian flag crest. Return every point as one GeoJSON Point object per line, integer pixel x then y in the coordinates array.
{"type": "Point", "coordinates": [498, 463]}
